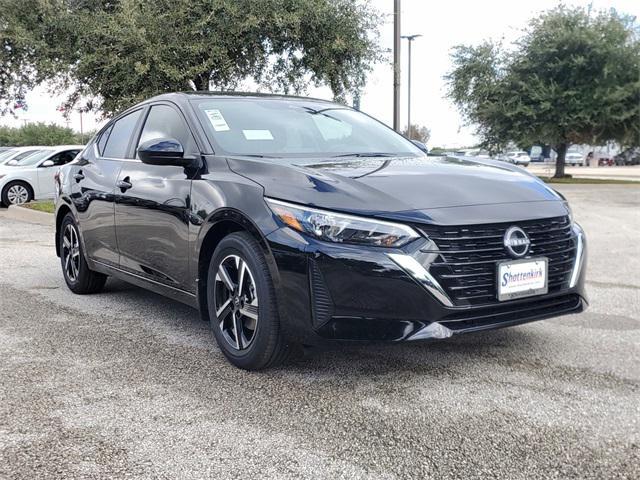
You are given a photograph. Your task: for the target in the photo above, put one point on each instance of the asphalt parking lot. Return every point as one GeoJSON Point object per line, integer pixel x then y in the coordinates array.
{"type": "Point", "coordinates": [129, 384]}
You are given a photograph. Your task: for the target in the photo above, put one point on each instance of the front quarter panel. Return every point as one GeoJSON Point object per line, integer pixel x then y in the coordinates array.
{"type": "Point", "coordinates": [219, 194]}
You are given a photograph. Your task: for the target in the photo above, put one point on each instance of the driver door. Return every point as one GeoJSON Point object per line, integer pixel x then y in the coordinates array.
{"type": "Point", "coordinates": [152, 205]}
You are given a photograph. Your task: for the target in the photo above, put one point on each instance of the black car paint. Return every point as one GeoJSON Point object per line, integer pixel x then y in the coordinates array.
{"type": "Point", "coordinates": [158, 233]}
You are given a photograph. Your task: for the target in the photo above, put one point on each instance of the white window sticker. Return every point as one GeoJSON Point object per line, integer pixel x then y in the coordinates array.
{"type": "Point", "coordinates": [218, 122]}
{"type": "Point", "coordinates": [257, 134]}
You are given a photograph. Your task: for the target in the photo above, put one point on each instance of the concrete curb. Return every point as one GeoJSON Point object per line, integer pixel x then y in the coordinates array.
{"type": "Point", "coordinates": [23, 214]}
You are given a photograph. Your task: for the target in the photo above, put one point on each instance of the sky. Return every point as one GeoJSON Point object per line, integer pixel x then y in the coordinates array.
{"type": "Point", "coordinates": [442, 26]}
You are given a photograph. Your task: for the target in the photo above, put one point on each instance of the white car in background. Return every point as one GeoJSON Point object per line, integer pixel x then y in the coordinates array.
{"type": "Point", "coordinates": [18, 153]}
{"type": "Point", "coordinates": [519, 158]}
{"type": "Point", "coordinates": [575, 159]}
{"type": "Point", "coordinates": [32, 177]}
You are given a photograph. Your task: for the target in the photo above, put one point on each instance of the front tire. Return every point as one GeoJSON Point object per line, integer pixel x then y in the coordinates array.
{"type": "Point", "coordinates": [242, 304]}
{"type": "Point", "coordinates": [16, 193]}
{"type": "Point", "coordinates": [79, 278]}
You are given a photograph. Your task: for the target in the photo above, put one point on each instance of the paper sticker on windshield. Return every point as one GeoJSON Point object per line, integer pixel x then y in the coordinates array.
{"type": "Point", "coordinates": [218, 122]}
{"type": "Point", "coordinates": [257, 134]}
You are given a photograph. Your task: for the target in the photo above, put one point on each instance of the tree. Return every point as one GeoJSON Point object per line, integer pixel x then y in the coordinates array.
{"type": "Point", "coordinates": [38, 134]}
{"type": "Point", "coordinates": [417, 132]}
{"type": "Point", "coordinates": [572, 78]}
{"type": "Point", "coordinates": [122, 51]}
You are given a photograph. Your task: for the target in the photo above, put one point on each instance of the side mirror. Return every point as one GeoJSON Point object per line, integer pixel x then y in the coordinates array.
{"type": "Point", "coordinates": [420, 145]}
{"type": "Point", "coordinates": [164, 151]}
{"type": "Point", "coordinates": [47, 164]}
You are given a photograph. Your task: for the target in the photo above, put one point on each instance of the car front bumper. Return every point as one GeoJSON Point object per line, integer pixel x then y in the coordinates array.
{"type": "Point", "coordinates": [334, 292]}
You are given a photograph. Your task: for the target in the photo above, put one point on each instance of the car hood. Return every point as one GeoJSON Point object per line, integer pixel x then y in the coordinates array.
{"type": "Point", "coordinates": [391, 186]}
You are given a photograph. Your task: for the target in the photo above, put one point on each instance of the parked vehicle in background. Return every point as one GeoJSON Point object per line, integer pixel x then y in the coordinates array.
{"type": "Point", "coordinates": [630, 156]}
{"type": "Point", "coordinates": [32, 177]}
{"type": "Point", "coordinates": [519, 158]}
{"type": "Point", "coordinates": [575, 159]}
{"type": "Point", "coordinates": [478, 154]}
{"type": "Point", "coordinates": [603, 159]}
{"type": "Point", "coordinates": [18, 153]}
{"type": "Point", "coordinates": [290, 220]}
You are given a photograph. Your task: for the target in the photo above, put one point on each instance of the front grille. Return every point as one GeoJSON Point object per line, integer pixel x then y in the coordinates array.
{"type": "Point", "coordinates": [466, 265]}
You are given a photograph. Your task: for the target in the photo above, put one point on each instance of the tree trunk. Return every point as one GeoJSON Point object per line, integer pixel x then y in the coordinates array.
{"type": "Point", "coordinates": [201, 82]}
{"type": "Point", "coordinates": [561, 150]}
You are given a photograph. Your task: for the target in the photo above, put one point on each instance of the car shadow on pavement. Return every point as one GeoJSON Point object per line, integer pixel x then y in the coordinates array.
{"type": "Point", "coordinates": [366, 359]}
{"type": "Point", "coordinates": [429, 357]}
{"type": "Point", "coordinates": [424, 356]}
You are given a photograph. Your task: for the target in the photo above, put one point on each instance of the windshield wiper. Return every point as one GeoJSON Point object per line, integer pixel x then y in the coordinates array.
{"type": "Point", "coordinates": [254, 155]}
{"type": "Point", "coordinates": [365, 154]}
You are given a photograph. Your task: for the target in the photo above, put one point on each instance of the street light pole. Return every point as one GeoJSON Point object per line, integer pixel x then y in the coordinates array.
{"type": "Point", "coordinates": [410, 39]}
{"type": "Point", "coordinates": [396, 65]}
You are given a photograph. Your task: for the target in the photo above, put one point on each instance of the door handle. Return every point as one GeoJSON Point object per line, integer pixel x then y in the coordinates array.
{"type": "Point", "coordinates": [124, 184]}
{"type": "Point", "coordinates": [79, 176]}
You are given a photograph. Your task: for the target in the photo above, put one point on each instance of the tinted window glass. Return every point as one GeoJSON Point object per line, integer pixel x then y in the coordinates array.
{"type": "Point", "coordinates": [120, 135]}
{"type": "Point", "coordinates": [103, 140]}
{"type": "Point", "coordinates": [64, 157]}
{"type": "Point", "coordinates": [165, 122]}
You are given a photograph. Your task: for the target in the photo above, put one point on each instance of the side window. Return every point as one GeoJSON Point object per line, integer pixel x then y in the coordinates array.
{"type": "Point", "coordinates": [66, 157]}
{"type": "Point", "coordinates": [57, 159]}
{"type": "Point", "coordinates": [121, 131]}
{"type": "Point", "coordinates": [103, 140]}
{"type": "Point", "coordinates": [165, 122]}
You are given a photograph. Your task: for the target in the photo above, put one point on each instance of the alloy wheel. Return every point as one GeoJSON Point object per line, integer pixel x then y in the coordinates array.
{"type": "Point", "coordinates": [236, 302]}
{"type": "Point", "coordinates": [71, 252]}
{"type": "Point", "coordinates": [17, 194]}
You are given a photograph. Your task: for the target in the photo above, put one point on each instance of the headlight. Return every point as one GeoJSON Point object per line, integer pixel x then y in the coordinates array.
{"type": "Point", "coordinates": [341, 228]}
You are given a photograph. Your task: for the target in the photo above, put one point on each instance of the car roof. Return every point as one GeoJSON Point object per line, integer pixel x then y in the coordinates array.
{"type": "Point", "coordinates": [236, 95]}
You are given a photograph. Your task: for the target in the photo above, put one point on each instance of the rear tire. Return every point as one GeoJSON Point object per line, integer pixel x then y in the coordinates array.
{"type": "Point", "coordinates": [16, 193]}
{"type": "Point", "coordinates": [242, 304]}
{"type": "Point", "coordinates": [79, 278]}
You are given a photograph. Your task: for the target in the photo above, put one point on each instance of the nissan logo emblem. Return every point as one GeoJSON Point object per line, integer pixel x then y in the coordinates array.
{"type": "Point", "coordinates": [516, 242]}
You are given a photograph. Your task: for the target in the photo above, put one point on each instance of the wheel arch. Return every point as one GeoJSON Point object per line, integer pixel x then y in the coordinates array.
{"type": "Point", "coordinates": [220, 224]}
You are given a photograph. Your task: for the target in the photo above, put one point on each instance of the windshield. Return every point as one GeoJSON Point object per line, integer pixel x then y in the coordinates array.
{"type": "Point", "coordinates": [6, 154]}
{"type": "Point", "coordinates": [34, 158]}
{"type": "Point", "coordinates": [276, 127]}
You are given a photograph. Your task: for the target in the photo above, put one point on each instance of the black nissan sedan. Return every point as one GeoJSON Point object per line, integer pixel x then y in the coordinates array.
{"type": "Point", "coordinates": [293, 221]}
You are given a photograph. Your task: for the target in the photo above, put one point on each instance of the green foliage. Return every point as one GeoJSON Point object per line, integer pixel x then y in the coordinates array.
{"type": "Point", "coordinates": [47, 206]}
{"type": "Point", "coordinates": [417, 132]}
{"type": "Point", "coordinates": [122, 51]}
{"type": "Point", "coordinates": [437, 151]}
{"type": "Point", "coordinates": [40, 134]}
{"type": "Point", "coordinates": [573, 78]}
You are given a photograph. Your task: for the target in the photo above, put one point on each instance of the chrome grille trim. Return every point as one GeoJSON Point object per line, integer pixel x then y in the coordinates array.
{"type": "Point", "coordinates": [421, 275]}
{"type": "Point", "coordinates": [467, 256]}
